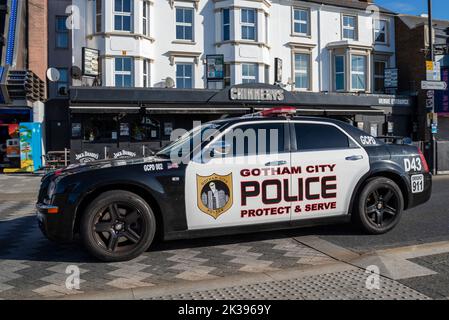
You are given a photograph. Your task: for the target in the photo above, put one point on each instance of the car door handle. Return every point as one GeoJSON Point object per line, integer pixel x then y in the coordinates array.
{"type": "Point", "coordinates": [275, 163]}
{"type": "Point", "coordinates": [354, 158]}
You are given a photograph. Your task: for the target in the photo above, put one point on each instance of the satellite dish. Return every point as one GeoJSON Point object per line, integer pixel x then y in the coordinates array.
{"type": "Point", "coordinates": [169, 82]}
{"type": "Point", "coordinates": [53, 74]}
{"type": "Point", "coordinates": [75, 72]}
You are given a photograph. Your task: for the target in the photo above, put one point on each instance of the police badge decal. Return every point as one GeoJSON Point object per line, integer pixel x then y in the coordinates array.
{"type": "Point", "coordinates": [214, 194]}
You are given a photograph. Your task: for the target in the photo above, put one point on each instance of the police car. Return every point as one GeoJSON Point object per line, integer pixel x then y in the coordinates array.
{"type": "Point", "coordinates": [266, 171]}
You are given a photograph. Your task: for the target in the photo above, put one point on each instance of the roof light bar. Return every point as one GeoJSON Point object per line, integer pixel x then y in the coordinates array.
{"type": "Point", "coordinates": [273, 112]}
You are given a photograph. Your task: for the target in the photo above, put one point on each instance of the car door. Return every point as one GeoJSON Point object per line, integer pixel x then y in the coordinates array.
{"type": "Point", "coordinates": [331, 165]}
{"type": "Point", "coordinates": [240, 177]}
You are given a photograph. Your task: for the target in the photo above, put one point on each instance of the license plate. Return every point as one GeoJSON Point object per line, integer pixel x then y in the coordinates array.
{"type": "Point", "coordinates": [417, 183]}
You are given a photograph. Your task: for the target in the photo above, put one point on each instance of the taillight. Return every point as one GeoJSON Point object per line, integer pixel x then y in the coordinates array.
{"type": "Point", "coordinates": [423, 161]}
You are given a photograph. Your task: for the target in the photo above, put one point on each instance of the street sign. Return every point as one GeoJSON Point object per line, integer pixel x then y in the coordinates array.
{"type": "Point", "coordinates": [433, 72]}
{"type": "Point", "coordinates": [433, 85]}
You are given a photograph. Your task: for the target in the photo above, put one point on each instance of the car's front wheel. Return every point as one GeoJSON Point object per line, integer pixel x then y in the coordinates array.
{"type": "Point", "coordinates": [379, 206]}
{"type": "Point", "coordinates": [117, 226]}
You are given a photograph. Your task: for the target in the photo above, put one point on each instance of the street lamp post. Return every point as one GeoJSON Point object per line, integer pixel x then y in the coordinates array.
{"type": "Point", "coordinates": [432, 58]}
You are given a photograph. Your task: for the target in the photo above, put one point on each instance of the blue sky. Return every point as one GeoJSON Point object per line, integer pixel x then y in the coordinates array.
{"type": "Point", "coordinates": [417, 7]}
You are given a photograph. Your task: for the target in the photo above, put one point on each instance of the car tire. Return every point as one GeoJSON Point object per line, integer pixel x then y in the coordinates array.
{"type": "Point", "coordinates": [379, 206]}
{"type": "Point", "coordinates": [117, 226]}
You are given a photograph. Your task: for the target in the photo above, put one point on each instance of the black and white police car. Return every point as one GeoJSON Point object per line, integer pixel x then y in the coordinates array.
{"type": "Point", "coordinates": [271, 170]}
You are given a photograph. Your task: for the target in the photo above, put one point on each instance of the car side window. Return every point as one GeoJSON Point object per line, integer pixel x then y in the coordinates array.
{"type": "Point", "coordinates": [257, 139]}
{"type": "Point", "coordinates": [314, 136]}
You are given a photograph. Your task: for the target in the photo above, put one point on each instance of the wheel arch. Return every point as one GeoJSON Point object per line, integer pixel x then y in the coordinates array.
{"type": "Point", "coordinates": [393, 175]}
{"type": "Point", "coordinates": [141, 191]}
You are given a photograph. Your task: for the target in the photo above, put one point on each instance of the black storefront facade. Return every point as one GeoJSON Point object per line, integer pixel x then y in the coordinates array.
{"type": "Point", "coordinates": [119, 123]}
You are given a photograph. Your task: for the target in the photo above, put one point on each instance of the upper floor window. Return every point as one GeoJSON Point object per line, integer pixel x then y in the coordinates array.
{"type": "Point", "coordinates": [302, 71]}
{"type": "Point", "coordinates": [184, 24]}
{"type": "Point", "coordinates": [146, 73]}
{"type": "Point", "coordinates": [98, 14]}
{"type": "Point", "coordinates": [62, 33]}
{"type": "Point", "coordinates": [349, 27]}
{"type": "Point", "coordinates": [380, 31]}
{"type": "Point", "coordinates": [379, 76]}
{"type": "Point", "coordinates": [123, 72]}
{"type": "Point", "coordinates": [249, 73]}
{"type": "Point", "coordinates": [358, 73]}
{"type": "Point", "coordinates": [339, 66]}
{"type": "Point", "coordinates": [184, 76]}
{"type": "Point", "coordinates": [62, 85]}
{"type": "Point", "coordinates": [226, 24]}
{"type": "Point", "coordinates": [123, 15]}
{"type": "Point", "coordinates": [248, 20]}
{"type": "Point", "coordinates": [301, 23]}
{"type": "Point", "coordinates": [146, 18]}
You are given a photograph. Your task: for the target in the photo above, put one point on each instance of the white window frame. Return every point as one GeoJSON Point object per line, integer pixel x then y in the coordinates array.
{"type": "Point", "coordinates": [124, 14]}
{"type": "Point", "coordinates": [377, 30]}
{"type": "Point", "coordinates": [307, 72]}
{"type": "Point", "coordinates": [341, 72]}
{"type": "Point", "coordinates": [352, 72]}
{"type": "Point", "coordinates": [185, 24]}
{"type": "Point", "coordinates": [351, 28]}
{"type": "Point", "coordinates": [124, 72]}
{"type": "Point", "coordinates": [306, 22]}
{"type": "Point", "coordinates": [250, 78]}
{"type": "Point", "coordinates": [146, 65]}
{"type": "Point", "coordinates": [146, 18]}
{"type": "Point", "coordinates": [192, 76]}
{"type": "Point", "coordinates": [248, 24]}
{"type": "Point", "coordinates": [99, 15]}
{"type": "Point", "coordinates": [224, 24]}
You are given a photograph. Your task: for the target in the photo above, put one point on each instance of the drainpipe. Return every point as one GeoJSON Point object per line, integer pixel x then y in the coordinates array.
{"type": "Point", "coordinates": [320, 60]}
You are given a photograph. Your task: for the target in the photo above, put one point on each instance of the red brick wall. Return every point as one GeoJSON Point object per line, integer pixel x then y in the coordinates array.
{"type": "Point", "coordinates": [38, 37]}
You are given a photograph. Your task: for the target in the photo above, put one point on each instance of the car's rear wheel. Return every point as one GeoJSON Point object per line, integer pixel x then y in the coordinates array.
{"type": "Point", "coordinates": [379, 206]}
{"type": "Point", "coordinates": [117, 226]}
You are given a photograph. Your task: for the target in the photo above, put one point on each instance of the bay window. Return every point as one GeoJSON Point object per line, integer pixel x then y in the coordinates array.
{"type": "Point", "coordinates": [358, 73]}
{"type": "Point", "coordinates": [123, 15]}
{"type": "Point", "coordinates": [123, 71]}
{"type": "Point", "coordinates": [248, 20]}
{"type": "Point", "coordinates": [249, 73]}
{"type": "Point", "coordinates": [339, 66]}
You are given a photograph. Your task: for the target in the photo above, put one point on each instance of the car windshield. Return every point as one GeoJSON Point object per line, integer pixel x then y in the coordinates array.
{"type": "Point", "coordinates": [190, 140]}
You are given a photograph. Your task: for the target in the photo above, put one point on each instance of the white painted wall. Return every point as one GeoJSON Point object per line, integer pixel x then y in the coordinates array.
{"type": "Point", "coordinates": [274, 34]}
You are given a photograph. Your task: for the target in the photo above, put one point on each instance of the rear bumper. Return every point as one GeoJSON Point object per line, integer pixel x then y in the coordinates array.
{"type": "Point", "coordinates": [55, 221]}
{"type": "Point", "coordinates": [416, 199]}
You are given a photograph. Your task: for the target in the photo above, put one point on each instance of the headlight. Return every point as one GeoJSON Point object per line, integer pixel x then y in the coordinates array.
{"type": "Point", "coordinates": [51, 189]}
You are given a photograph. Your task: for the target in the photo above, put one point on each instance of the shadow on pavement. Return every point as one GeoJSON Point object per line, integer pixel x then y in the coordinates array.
{"type": "Point", "coordinates": [21, 239]}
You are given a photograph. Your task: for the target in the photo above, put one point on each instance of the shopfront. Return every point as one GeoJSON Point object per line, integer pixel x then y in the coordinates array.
{"type": "Point", "coordinates": [123, 123]}
{"type": "Point", "coordinates": [10, 118]}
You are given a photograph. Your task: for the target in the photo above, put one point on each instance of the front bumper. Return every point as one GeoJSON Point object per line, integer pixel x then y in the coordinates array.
{"type": "Point", "coordinates": [55, 221]}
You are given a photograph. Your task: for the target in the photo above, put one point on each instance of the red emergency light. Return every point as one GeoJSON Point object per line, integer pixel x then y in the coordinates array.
{"type": "Point", "coordinates": [278, 111]}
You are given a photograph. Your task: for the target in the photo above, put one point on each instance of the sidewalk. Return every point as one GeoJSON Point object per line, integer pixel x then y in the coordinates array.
{"type": "Point", "coordinates": [337, 280]}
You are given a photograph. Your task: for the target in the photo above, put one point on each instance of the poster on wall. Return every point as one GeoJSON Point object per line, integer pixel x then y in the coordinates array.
{"type": "Point", "coordinates": [91, 59]}
{"type": "Point", "coordinates": [215, 67]}
{"type": "Point", "coordinates": [30, 146]}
